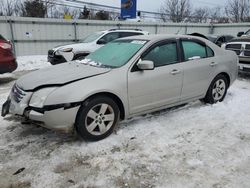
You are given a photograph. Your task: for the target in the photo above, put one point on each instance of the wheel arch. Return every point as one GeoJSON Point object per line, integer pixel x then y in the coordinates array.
{"type": "Point", "coordinates": [226, 76]}
{"type": "Point", "coordinates": [114, 97]}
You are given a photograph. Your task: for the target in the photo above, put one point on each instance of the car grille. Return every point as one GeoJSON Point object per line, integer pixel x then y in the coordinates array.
{"type": "Point", "coordinates": [246, 69]}
{"type": "Point", "coordinates": [17, 93]}
{"type": "Point", "coordinates": [243, 50]}
{"type": "Point", "coordinates": [247, 53]}
{"type": "Point", "coordinates": [247, 47]}
{"type": "Point", "coordinates": [234, 47]}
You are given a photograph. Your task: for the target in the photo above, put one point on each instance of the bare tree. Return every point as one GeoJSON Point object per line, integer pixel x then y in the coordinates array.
{"type": "Point", "coordinates": [48, 4]}
{"type": "Point", "coordinates": [238, 10]}
{"type": "Point", "coordinates": [201, 15]}
{"type": "Point", "coordinates": [33, 8]}
{"type": "Point", "coordinates": [85, 14]}
{"type": "Point", "coordinates": [18, 7]}
{"type": "Point", "coordinates": [102, 15]}
{"type": "Point", "coordinates": [175, 10]}
{"type": "Point", "coordinates": [215, 14]}
{"type": "Point", "coordinates": [7, 7]}
{"type": "Point", "coordinates": [1, 8]}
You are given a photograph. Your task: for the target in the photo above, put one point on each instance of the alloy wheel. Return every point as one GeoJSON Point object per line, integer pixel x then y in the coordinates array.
{"type": "Point", "coordinates": [99, 119]}
{"type": "Point", "coordinates": [219, 89]}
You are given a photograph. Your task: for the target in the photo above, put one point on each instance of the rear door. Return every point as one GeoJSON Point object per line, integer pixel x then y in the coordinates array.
{"type": "Point", "coordinates": [199, 66]}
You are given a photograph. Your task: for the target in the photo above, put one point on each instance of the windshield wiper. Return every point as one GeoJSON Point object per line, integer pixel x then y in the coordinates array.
{"type": "Point", "coordinates": [107, 66]}
{"type": "Point", "coordinates": [94, 64]}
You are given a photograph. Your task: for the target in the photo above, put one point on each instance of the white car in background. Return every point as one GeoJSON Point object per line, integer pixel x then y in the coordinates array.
{"type": "Point", "coordinates": [241, 46]}
{"type": "Point", "coordinates": [88, 45]}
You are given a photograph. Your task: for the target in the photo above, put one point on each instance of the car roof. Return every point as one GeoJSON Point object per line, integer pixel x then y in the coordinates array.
{"type": "Point", "coordinates": [217, 36]}
{"type": "Point", "coordinates": [125, 30]}
{"type": "Point", "coordinates": [156, 37]}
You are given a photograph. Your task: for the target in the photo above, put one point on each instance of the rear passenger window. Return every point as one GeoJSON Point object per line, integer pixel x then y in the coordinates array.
{"type": "Point", "coordinates": [163, 54]}
{"type": "Point", "coordinates": [193, 50]}
{"type": "Point", "coordinates": [210, 52]}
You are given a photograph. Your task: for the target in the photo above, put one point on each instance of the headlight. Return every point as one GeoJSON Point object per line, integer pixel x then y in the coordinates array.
{"type": "Point", "coordinates": [38, 98]}
{"type": "Point", "coordinates": [67, 50]}
{"type": "Point", "coordinates": [57, 52]}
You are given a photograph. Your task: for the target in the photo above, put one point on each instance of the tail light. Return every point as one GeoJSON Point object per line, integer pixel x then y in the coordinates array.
{"type": "Point", "coordinates": [5, 46]}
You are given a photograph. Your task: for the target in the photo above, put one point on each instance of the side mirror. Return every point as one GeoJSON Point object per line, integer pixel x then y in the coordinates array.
{"type": "Point", "coordinates": [101, 42]}
{"type": "Point", "coordinates": [240, 34]}
{"type": "Point", "coordinates": [145, 65]}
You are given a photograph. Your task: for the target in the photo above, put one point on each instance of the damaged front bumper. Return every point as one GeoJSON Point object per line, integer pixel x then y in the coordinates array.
{"type": "Point", "coordinates": [56, 117]}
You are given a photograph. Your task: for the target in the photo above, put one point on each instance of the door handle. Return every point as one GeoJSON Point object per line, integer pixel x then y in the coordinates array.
{"type": "Point", "coordinates": [174, 72]}
{"type": "Point", "coordinates": [213, 64]}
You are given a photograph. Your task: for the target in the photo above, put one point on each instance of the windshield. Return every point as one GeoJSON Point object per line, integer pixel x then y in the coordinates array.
{"type": "Point", "coordinates": [92, 37]}
{"type": "Point", "coordinates": [114, 54]}
{"type": "Point", "coordinates": [247, 33]}
{"type": "Point", "coordinates": [1, 38]}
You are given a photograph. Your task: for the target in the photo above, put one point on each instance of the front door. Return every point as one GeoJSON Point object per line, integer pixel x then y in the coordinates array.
{"type": "Point", "coordinates": [151, 89]}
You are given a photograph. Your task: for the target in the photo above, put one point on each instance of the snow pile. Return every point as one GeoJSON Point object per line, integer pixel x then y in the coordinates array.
{"type": "Point", "coordinates": [195, 145]}
{"type": "Point", "coordinates": [32, 62]}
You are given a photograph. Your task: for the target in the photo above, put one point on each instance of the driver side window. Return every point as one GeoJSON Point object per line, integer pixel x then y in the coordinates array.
{"type": "Point", "coordinates": [163, 54]}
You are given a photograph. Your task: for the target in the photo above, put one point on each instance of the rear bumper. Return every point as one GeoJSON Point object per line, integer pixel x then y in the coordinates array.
{"type": "Point", "coordinates": [7, 65]}
{"type": "Point", "coordinates": [244, 59]}
{"type": "Point", "coordinates": [244, 68]}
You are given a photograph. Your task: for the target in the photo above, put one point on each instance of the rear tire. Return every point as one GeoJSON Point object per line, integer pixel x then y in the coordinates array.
{"type": "Point", "coordinates": [217, 90]}
{"type": "Point", "coordinates": [97, 118]}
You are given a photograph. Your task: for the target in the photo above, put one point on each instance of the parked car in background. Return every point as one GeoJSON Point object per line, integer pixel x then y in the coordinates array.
{"type": "Point", "coordinates": [219, 40]}
{"type": "Point", "coordinates": [7, 59]}
{"type": "Point", "coordinates": [241, 46]}
{"type": "Point", "coordinates": [242, 33]}
{"type": "Point", "coordinates": [91, 43]}
{"type": "Point", "coordinates": [125, 78]}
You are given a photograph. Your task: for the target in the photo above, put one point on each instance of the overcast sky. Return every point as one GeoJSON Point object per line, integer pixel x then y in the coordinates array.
{"type": "Point", "coordinates": [154, 5]}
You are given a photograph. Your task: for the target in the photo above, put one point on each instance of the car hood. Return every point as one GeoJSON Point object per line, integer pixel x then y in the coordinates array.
{"type": "Point", "coordinates": [58, 75]}
{"type": "Point", "coordinates": [241, 39]}
{"type": "Point", "coordinates": [75, 46]}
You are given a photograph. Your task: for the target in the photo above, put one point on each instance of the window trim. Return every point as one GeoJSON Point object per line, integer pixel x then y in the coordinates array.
{"type": "Point", "coordinates": [211, 50]}
{"type": "Point", "coordinates": [134, 68]}
{"type": "Point", "coordinates": [195, 41]}
{"type": "Point", "coordinates": [108, 34]}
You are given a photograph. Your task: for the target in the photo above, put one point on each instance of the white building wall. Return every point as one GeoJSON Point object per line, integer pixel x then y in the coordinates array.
{"type": "Point", "coordinates": [32, 36]}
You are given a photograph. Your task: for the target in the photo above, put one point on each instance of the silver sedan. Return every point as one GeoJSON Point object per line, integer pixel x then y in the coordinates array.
{"type": "Point", "coordinates": [125, 78]}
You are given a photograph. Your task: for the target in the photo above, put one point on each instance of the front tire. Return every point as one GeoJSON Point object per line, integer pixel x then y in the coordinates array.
{"type": "Point", "coordinates": [217, 90]}
{"type": "Point", "coordinates": [97, 118]}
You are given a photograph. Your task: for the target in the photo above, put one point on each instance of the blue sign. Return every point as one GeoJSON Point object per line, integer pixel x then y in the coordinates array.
{"type": "Point", "coordinates": [128, 9]}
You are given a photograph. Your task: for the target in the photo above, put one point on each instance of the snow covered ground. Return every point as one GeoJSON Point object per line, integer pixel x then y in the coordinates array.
{"type": "Point", "coordinates": [32, 62]}
{"type": "Point", "coordinates": [195, 145]}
